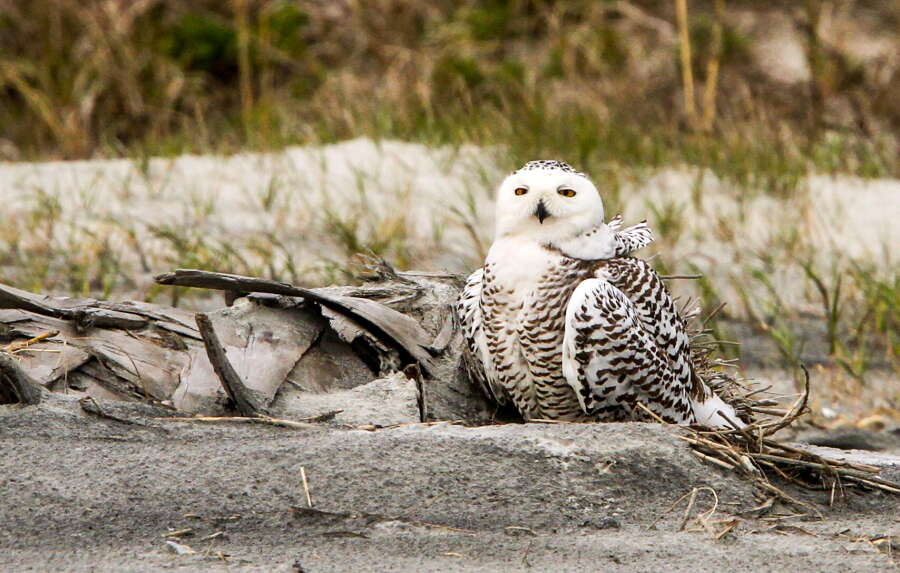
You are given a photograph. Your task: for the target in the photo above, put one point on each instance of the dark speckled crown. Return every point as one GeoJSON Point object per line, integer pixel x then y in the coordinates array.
{"type": "Point", "coordinates": [549, 165]}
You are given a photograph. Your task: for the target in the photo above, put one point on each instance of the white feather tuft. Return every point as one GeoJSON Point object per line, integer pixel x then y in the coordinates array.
{"type": "Point", "coordinates": [707, 413]}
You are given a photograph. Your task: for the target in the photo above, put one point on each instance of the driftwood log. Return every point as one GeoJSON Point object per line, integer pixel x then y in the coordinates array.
{"type": "Point", "coordinates": [275, 350]}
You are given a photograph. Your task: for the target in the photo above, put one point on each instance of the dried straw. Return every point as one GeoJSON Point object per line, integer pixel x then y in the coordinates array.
{"type": "Point", "coordinates": [752, 452]}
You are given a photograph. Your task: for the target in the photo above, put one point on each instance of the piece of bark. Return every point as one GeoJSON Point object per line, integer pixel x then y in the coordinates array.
{"type": "Point", "coordinates": [383, 357]}
{"type": "Point", "coordinates": [261, 346]}
{"type": "Point", "coordinates": [81, 383]}
{"type": "Point", "coordinates": [200, 390]}
{"type": "Point", "coordinates": [329, 365]}
{"type": "Point", "coordinates": [384, 322]}
{"type": "Point", "coordinates": [15, 385]}
{"type": "Point", "coordinates": [53, 361]}
{"type": "Point", "coordinates": [244, 399]}
{"type": "Point", "coordinates": [145, 362]}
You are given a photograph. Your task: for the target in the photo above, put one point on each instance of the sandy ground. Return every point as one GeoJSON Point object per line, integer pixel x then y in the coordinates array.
{"type": "Point", "coordinates": [85, 494]}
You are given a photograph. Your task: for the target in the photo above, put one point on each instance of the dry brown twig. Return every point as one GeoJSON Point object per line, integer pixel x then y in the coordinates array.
{"type": "Point", "coordinates": [702, 520]}
{"type": "Point", "coordinates": [750, 449]}
{"type": "Point", "coordinates": [242, 420]}
{"type": "Point", "coordinates": [305, 486]}
{"type": "Point", "coordinates": [20, 345]}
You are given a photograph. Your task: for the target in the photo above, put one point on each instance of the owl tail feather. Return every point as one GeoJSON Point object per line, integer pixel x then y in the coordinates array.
{"type": "Point", "coordinates": [709, 412]}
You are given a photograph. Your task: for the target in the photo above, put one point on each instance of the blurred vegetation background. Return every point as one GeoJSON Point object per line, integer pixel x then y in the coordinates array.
{"type": "Point", "coordinates": [760, 94]}
{"type": "Point", "coordinates": [759, 91]}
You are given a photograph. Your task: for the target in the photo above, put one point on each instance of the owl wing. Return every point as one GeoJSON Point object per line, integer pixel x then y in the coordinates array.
{"type": "Point", "coordinates": [475, 352]}
{"type": "Point", "coordinates": [632, 238]}
{"type": "Point", "coordinates": [658, 315]}
{"type": "Point", "coordinates": [615, 223]}
{"type": "Point", "coordinates": [611, 360]}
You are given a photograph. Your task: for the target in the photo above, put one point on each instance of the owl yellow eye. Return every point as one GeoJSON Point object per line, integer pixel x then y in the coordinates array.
{"type": "Point", "coordinates": [521, 191]}
{"type": "Point", "coordinates": [567, 192]}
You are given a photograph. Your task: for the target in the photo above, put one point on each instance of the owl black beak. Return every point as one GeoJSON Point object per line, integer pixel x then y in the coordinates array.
{"type": "Point", "coordinates": [541, 212]}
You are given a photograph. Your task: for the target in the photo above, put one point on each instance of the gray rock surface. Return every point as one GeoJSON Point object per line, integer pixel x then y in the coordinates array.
{"type": "Point", "coordinates": [84, 493]}
{"type": "Point", "coordinates": [383, 402]}
{"type": "Point", "coordinates": [854, 439]}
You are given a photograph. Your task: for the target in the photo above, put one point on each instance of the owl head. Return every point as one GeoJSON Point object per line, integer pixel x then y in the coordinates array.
{"type": "Point", "coordinates": [547, 201]}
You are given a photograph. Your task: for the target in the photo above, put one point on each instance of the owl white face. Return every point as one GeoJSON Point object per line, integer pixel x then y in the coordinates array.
{"type": "Point", "coordinates": [548, 202]}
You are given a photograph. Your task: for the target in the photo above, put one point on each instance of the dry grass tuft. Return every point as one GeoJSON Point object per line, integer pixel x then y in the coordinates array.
{"type": "Point", "coordinates": [753, 452]}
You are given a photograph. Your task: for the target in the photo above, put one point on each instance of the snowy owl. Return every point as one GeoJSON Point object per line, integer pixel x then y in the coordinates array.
{"type": "Point", "coordinates": [560, 322]}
